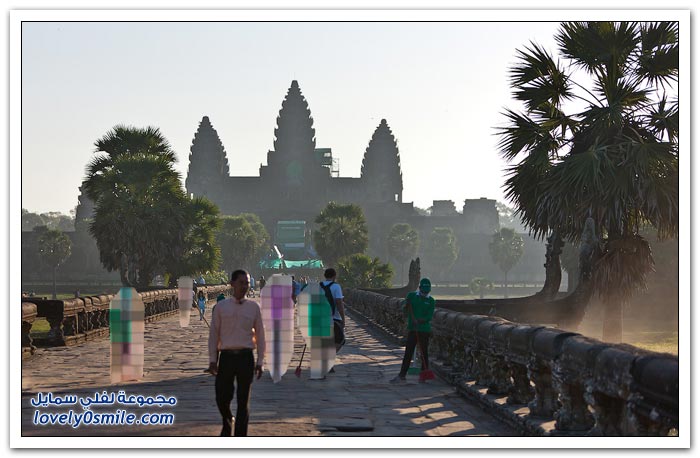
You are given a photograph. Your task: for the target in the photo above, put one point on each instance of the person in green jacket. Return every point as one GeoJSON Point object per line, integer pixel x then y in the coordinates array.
{"type": "Point", "coordinates": [419, 307]}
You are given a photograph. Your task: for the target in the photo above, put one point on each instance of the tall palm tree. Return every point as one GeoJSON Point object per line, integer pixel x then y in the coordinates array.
{"type": "Point", "coordinates": [143, 220]}
{"type": "Point", "coordinates": [614, 162]}
{"type": "Point", "coordinates": [342, 231]}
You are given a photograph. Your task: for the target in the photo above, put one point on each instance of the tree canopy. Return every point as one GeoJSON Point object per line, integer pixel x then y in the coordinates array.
{"type": "Point", "coordinates": [361, 271]}
{"type": "Point", "coordinates": [342, 231]}
{"type": "Point", "coordinates": [506, 249]}
{"type": "Point", "coordinates": [143, 220]}
{"type": "Point", "coordinates": [598, 138]}
{"type": "Point", "coordinates": [402, 243]}
{"type": "Point", "coordinates": [54, 249]}
{"type": "Point", "coordinates": [441, 250]}
{"type": "Point", "coordinates": [241, 238]}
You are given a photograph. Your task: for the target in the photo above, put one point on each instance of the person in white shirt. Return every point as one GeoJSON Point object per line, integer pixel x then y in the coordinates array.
{"type": "Point", "coordinates": [236, 329]}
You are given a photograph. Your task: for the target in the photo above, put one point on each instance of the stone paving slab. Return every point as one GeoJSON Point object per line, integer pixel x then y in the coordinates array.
{"type": "Point", "coordinates": [357, 400]}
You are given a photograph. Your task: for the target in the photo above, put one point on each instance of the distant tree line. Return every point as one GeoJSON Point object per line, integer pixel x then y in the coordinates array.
{"type": "Point", "coordinates": [52, 220]}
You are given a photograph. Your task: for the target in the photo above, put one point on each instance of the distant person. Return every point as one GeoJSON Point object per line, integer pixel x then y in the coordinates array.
{"type": "Point", "coordinates": [201, 281]}
{"type": "Point", "coordinates": [334, 294]}
{"type": "Point", "coordinates": [251, 290]}
{"type": "Point", "coordinates": [419, 307]}
{"type": "Point", "coordinates": [296, 289]}
{"type": "Point", "coordinates": [236, 329]}
{"type": "Point", "coordinates": [201, 303]}
{"type": "Point", "coordinates": [261, 282]}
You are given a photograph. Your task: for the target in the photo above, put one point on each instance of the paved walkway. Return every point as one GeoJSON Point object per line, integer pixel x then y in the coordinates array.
{"type": "Point", "coordinates": [357, 400]}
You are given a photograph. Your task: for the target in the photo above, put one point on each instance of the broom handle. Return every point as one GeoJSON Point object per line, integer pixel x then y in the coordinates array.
{"type": "Point", "coordinates": [302, 357]}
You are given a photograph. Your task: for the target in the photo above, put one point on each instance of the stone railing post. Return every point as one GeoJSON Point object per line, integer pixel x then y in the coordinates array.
{"type": "Point", "coordinates": [28, 317]}
{"type": "Point", "coordinates": [518, 357]}
{"type": "Point", "coordinates": [546, 347]}
{"type": "Point", "coordinates": [571, 373]}
{"type": "Point", "coordinates": [503, 382]}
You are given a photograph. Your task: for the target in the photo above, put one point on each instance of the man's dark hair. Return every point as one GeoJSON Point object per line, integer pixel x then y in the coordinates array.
{"type": "Point", "coordinates": [329, 273]}
{"type": "Point", "coordinates": [236, 273]}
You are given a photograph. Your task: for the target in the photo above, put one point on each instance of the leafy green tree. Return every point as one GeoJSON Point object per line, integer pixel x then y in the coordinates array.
{"type": "Point", "coordinates": [441, 250]}
{"type": "Point", "coordinates": [506, 249]}
{"type": "Point", "coordinates": [198, 250]}
{"type": "Point", "coordinates": [54, 249]}
{"type": "Point", "coordinates": [216, 277]}
{"type": "Point", "coordinates": [31, 220]}
{"type": "Point", "coordinates": [143, 222]}
{"type": "Point", "coordinates": [615, 160]}
{"type": "Point", "coordinates": [479, 285]}
{"type": "Point", "coordinates": [402, 242]}
{"type": "Point", "coordinates": [342, 231]}
{"type": "Point", "coordinates": [263, 237]}
{"type": "Point", "coordinates": [361, 271]}
{"type": "Point", "coordinates": [239, 243]}
{"type": "Point", "coordinates": [52, 220]}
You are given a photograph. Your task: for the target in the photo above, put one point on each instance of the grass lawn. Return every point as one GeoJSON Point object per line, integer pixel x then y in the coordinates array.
{"type": "Point", "coordinates": [664, 342]}
{"type": "Point", "coordinates": [40, 328]}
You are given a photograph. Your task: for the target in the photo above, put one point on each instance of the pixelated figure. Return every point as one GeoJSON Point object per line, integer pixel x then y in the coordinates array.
{"type": "Point", "coordinates": [185, 295]}
{"type": "Point", "coordinates": [316, 325]}
{"type": "Point", "coordinates": [126, 327]}
{"type": "Point", "coordinates": [278, 317]}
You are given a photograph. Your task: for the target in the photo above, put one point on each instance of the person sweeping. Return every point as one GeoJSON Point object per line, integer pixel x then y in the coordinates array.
{"type": "Point", "coordinates": [419, 307]}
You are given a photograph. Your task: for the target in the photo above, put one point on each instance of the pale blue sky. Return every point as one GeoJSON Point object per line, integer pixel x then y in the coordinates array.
{"type": "Point", "coordinates": [441, 87]}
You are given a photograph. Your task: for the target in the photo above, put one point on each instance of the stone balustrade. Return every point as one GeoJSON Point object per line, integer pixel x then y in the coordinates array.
{"type": "Point", "coordinates": [73, 321]}
{"type": "Point", "coordinates": [585, 385]}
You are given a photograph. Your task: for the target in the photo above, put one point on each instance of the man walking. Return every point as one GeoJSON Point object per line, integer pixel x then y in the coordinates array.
{"type": "Point", "coordinates": [236, 328]}
{"type": "Point", "coordinates": [419, 306]}
{"type": "Point", "coordinates": [334, 294]}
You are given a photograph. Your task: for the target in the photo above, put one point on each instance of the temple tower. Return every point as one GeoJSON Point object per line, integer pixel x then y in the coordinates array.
{"type": "Point", "coordinates": [208, 162]}
{"type": "Point", "coordinates": [293, 161]}
{"type": "Point", "coordinates": [381, 167]}
{"type": "Point", "coordinates": [84, 210]}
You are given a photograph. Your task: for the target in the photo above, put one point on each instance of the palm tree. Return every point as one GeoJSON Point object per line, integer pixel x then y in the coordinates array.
{"type": "Point", "coordinates": [143, 220]}
{"type": "Point", "coordinates": [402, 242]}
{"type": "Point", "coordinates": [506, 249]}
{"type": "Point", "coordinates": [342, 231]}
{"type": "Point", "coordinates": [614, 162]}
{"type": "Point", "coordinates": [54, 249]}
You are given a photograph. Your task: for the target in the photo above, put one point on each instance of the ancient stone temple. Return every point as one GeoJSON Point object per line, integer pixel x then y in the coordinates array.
{"type": "Point", "coordinates": [298, 179]}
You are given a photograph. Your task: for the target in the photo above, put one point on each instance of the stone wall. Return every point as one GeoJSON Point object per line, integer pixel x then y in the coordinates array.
{"type": "Point", "coordinates": [78, 320]}
{"type": "Point", "coordinates": [586, 386]}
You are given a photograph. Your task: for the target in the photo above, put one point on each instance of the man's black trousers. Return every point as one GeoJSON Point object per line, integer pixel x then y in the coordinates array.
{"type": "Point", "coordinates": [238, 365]}
{"type": "Point", "coordinates": [411, 347]}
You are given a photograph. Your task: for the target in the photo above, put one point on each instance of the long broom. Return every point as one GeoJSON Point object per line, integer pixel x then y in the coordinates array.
{"type": "Point", "coordinates": [297, 372]}
{"type": "Point", "coordinates": [425, 373]}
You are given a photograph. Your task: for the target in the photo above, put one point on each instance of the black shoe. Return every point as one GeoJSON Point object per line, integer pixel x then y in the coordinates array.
{"type": "Point", "coordinates": [332, 371]}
